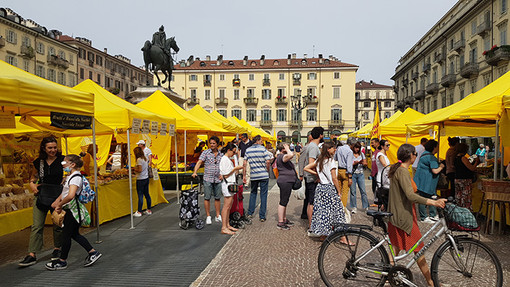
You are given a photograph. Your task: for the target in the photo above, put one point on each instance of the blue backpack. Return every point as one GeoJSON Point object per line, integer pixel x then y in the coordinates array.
{"type": "Point", "coordinates": [87, 194]}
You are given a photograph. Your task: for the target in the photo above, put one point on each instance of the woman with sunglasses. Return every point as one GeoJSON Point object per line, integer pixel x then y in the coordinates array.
{"type": "Point", "coordinates": [383, 161]}
{"type": "Point", "coordinates": [229, 171]}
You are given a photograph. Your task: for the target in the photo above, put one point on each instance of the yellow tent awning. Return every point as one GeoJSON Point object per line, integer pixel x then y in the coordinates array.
{"type": "Point", "coordinates": [367, 129]}
{"type": "Point", "coordinates": [24, 93]}
{"type": "Point", "coordinates": [396, 124]}
{"type": "Point", "coordinates": [159, 103]}
{"type": "Point", "coordinates": [202, 114]}
{"type": "Point", "coordinates": [255, 131]}
{"type": "Point", "coordinates": [239, 128]}
{"type": "Point", "coordinates": [115, 112]}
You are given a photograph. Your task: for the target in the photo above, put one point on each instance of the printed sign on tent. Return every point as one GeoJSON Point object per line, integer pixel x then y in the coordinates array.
{"type": "Point", "coordinates": [146, 126]}
{"type": "Point", "coordinates": [136, 126]}
{"type": "Point", "coordinates": [154, 128]}
{"type": "Point", "coordinates": [7, 120]}
{"type": "Point", "coordinates": [70, 121]}
{"type": "Point", "coordinates": [163, 129]}
{"type": "Point", "coordinates": [171, 132]}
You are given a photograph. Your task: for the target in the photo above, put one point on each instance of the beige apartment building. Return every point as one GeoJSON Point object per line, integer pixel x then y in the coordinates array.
{"type": "Point", "coordinates": [35, 49]}
{"type": "Point", "coordinates": [464, 51]}
{"type": "Point", "coordinates": [114, 73]}
{"type": "Point", "coordinates": [367, 94]}
{"type": "Point", "coordinates": [284, 97]}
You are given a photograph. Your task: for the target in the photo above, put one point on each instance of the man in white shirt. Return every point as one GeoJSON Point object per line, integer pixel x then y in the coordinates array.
{"type": "Point", "coordinates": [419, 150]}
{"type": "Point", "coordinates": [147, 151]}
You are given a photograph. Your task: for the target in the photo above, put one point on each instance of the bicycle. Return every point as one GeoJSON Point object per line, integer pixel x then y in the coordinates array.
{"type": "Point", "coordinates": [460, 259]}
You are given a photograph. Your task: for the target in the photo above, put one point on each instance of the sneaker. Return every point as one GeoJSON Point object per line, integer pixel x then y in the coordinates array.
{"type": "Point", "coordinates": [289, 223]}
{"type": "Point", "coordinates": [28, 261]}
{"type": "Point", "coordinates": [208, 220]}
{"type": "Point", "coordinates": [262, 220]}
{"type": "Point", "coordinates": [282, 226]}
{"type": "Point", "coordinates": [56, 265]}
{"type": "Point", "coordinates": [218, 218]}
{"type": "Point", "coordinates": [250, 216]}
{"type": "Point", "coordinates": [148, 212]}
{"type": "Point", "coordinates": [434, 218]}
{"type": "Point", "coordinates": [56, 254]}
{"type": "Point", "coordinates": [91, 258]}
{"type": "Point", "coordinates": [137, 214]}
{"type": "Point", "coordinates": [354, 210]}
{"type": "Point", "coordinates": [311, 234]}
{"type": "Point", "coordinates": [428, 220]}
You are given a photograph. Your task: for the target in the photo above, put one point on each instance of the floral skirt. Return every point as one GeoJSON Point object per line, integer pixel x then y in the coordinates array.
{"type": "Point", "coordinates": [328, 210]}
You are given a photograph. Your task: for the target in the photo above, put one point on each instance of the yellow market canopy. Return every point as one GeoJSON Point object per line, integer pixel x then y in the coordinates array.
{"type": "Point", "coordinates": [255, 131]}
{"type": "Point", "coordinates": [115, 112]}
{"type": "Point", "coordinates": [199, 112]}
{"type": "Point", "coordinates": [240, 127]}
{"type": "Point", "coordinates": [24, 93]}
{"type": "Point", "coordinates": [161, 104]}
{"type": "Point", "coordinates": [367, 129]}
{"type": "Point", "coordinates": [396, 124]}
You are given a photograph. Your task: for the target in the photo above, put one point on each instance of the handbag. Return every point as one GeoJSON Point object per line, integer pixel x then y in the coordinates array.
{"type": "Point", "coordinates": [381, 192]}
{"type": "Point", "coordinates": [232, 187]}
{"type": "Point", "coordinates": [48, 193]}
{"type": "Point", "coordinates": [58, 218]}
{"type": "Point", "coordinates": [275, 171]}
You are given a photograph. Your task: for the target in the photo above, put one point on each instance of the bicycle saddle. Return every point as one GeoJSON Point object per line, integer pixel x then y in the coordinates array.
{"type": "Point", "coordinates": [378, 214]}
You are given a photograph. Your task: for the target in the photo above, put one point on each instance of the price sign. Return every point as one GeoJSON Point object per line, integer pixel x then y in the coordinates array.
{"type": "Point", "coordinates": [137, 123]}
{"type": "Point", "coordinates": [171, 132]}
{"type": "Point", "coordinates": [146, 126]}
{"type": "Point", "coordinates": [163, 129]}
{"type": "Point", "coordinates": [154, 128]}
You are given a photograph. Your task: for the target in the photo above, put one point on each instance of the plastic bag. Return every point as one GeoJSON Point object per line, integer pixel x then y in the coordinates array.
{"type": "Point", "coordinates": [300, 193]}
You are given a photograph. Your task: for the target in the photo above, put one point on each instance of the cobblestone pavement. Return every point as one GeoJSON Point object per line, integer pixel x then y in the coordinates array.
{"type": "Point", "coordinates": [262, 255]}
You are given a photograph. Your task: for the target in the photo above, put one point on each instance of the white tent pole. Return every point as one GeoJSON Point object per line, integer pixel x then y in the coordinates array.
{"type": "Point", "coordinates": [496, 150]}
{"type": "Point", "coordinates": [130, 179]}
{"type": "Point", "coordinates": [185, 144]}
{"type": "Point", "coordinates": [176, 166]}
{"type": "Point", "coordinates": [94, 150]}
{"type": "Point", "coordinates": [502, 167]}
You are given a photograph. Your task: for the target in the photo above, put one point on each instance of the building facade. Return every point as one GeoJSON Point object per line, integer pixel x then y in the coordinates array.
{"type": "Point", "coordinates": [284, 97]}
{"type": "Point", "coordinates": [367, 94]}
{"type": "Point", "coordinates": [464, 51]}
{"type": "Point", "coordinates": [31, 47]}
{"type": "Point", "coordinates": [115, 73]}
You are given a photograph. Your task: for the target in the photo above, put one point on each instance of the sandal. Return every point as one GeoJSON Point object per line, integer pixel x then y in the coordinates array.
{"type": "Point", "coordinates": [228, 232]}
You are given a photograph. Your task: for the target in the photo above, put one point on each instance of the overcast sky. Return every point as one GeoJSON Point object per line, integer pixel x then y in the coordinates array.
{"type": "Point", "coordinates": [372, 34]}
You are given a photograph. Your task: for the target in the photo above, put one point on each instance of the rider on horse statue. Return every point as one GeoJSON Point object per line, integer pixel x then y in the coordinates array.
{"type": "Point", "coordinates": [156, 53]}
{"type": "Point", "coordinates": [159, 38]}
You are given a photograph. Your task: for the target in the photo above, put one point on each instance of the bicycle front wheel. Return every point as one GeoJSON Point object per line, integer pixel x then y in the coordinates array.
{"type": "Point", "coordinates": [337, 261]}
{"type": "Point", "coordinates": [474, 265]}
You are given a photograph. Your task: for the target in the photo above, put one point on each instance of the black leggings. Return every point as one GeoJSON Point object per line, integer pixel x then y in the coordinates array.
{"type": "Point", "coordinates": [72, 230]}
{"type": "Point", "coordinates": [285, 190]}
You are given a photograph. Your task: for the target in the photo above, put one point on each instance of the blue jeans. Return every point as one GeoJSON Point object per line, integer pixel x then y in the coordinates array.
{"type": "Point", "coordinates": [264, 183]}
{"type": "Point", "coordinates": [423, 208]}
{"type": "Point", "coordinates": [142, 188]}
{"type": "Point", "coordinates": [359, 179]}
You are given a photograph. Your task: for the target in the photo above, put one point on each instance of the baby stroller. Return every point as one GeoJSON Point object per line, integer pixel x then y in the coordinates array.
{"type": "Point", "coordinates": [237, 212]}
{"type": "Point", "coordinates": [189, 211]}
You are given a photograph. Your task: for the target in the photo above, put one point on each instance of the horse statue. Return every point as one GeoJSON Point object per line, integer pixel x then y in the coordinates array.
{"type": "Point", "coordinates": [160, 59]}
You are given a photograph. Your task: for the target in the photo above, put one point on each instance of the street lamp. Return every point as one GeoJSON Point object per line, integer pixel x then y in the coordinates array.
{"type": "Point", "coordinates": [299, 103]}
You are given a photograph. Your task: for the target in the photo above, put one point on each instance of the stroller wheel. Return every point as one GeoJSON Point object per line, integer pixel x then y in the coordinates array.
{"type": "Point", "coordinates": [183, 224]}
{"type": "Point", "coordinates": [236, 215]}
{"type": "Point", "coordinates": [247, 221]}
{"type": "Point", "coordinates": [241, 225]}
{"type": "Point", "coordinates": [199, 224]}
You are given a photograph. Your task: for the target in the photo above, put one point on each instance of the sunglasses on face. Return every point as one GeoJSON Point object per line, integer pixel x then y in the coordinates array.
{"type": "Point", "coordinates": [415, 153]}
{"type": "Point", "coordinates": [387, 145]}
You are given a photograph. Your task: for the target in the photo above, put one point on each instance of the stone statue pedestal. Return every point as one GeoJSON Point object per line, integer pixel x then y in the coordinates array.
{"type": "Point", "coordinates": [143, 92]}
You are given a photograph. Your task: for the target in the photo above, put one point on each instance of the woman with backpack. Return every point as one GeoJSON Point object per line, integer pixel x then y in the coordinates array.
{"type": "Point", "coordinates": [71, 230]}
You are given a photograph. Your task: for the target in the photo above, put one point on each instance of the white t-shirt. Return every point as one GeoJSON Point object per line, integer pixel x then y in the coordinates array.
{"type": "Point", "coordinates": [226, 166]}
{"type": "Point", "coordinates": [380, 168]}
{"type": "Point", "coordinates": [419, 150]}
{"type": "Point", "coordinates": [325, 174]}
{"type": "Point", "coordinates": [144, 174]}
{"type": "Point", "coordinates": [147, 151]}
{"type": "Point", "coordinates": [70, 180]}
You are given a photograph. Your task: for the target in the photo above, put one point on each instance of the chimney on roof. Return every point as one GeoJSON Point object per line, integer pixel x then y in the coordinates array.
{"type": "Point", "coordinates": [293, 55]}
{"type": "Point", "coordinates": [245, 60]}
{"type": "Point", "coordinates": [321, 60]}
{"type": "Point", "coordinates": [331, 57]}
{"type": "Point", "coordinates": [105, 50]}
{"type": "Point", "coordinates": [207, 58]}
{"type": "Point", "coordinates": [371, 82]}
{"type": "Point", "coordinates": [197, 59]}
{"type": "Point", "coordinates": [288, 59]}
{"type": "Point", "coordinates": [189, 62]}
{"type": "Point", "coordinates": [262, 60]}
{"type": "Point", "coordinates": [305, 56]}
{"type": "Point", "coordinates": [219, 60]}
{"type": "Point", "coordinates": [182, 63]}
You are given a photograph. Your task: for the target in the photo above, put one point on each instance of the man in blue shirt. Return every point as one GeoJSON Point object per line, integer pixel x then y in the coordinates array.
{"type": "Point", "coordinates": [259, 158]}
{"type": "Point", "coordinates": [345, 158]}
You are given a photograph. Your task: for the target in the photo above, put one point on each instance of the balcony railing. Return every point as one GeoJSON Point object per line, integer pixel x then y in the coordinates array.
{"type": "Point", "coordinates": [483, 28]}
{"type": "Point", "coordinates": [266, 123]}
{"type": "Point", "coordinates": [295, 123]}
{"type": "Point", "coordinates": [448, 80]}
{"type": "Point", "coordinates": [2, 42]}
{"type": "Point", "coordinates": [419, 95]}
{"type": "Point", "coordinates": [27, 52]}
{"type": "Point", "coordinates": [266, 82]}
{"type": "Point", "coordinates": [409, 100]}
{"type": "Point", "coordinates": [469, 70]}
{"type": "Point", "coordinates": [400, 104]}
{"type": "Point", "coordinates": [502, 54]}
{"type": "Point", "coordinates": [193, 101]}
{"type": "Point", "coordinates": [459, 45]}
{"type": "Point", "coordinates": [236, 82]}
{"type": "Point", "coordinates": [91, 63]}
{"type": "Point", "coordinates": [296, 82]}
{"type": "Point", "coordinates": [281, 101]}
{"type": "Point", "coordinates": [207, 83]}
{"type": "Point", "coordinates": [395, 88]}
{"type": "Point", "coordinates": [426, 68]}
{"type": "Point", "coordinates": [221, 101]}
{"type": "Point", "coordinates": [439, 58]}
{"type": "Point", "coordinates": [251, 101]}
{"type": "Point", "coordinates": [432, 88]}
{"type": "Point", "coordinates": [311, 100]}
{"type": "Point", "coordinates": [336, 124]}
{"type": "Point", "coordinates": [415, 75]}
{"type": "Point", "coordinates": [405, 82]}
{"type": "Point", "coordinates": [55, 60]}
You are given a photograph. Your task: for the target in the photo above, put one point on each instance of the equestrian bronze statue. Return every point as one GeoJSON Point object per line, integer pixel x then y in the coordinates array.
{"type": "Point", "coordinates": [158, 54]}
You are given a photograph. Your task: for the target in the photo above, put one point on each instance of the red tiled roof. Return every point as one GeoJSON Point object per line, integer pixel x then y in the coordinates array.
{"type": "Point", "coordinates": [268, 64]}
{"type": "Point", "coordinates": [64, 38]}
{"type": "Point", "coordinates": [362, 85]}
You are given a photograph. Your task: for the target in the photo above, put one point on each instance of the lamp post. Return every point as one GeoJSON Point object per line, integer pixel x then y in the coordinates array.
{"type": "Point", "coordinates": [299, 103]}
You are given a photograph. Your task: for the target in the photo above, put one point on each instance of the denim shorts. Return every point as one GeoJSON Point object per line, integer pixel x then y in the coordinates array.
{"type": "Point", "coordinates": [212, 189]}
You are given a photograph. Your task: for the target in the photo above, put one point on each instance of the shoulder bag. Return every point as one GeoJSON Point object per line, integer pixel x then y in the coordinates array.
{"type": "Point", "coordinates": [48, 193]}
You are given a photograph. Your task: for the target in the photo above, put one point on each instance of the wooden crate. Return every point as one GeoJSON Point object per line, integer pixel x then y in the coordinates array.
{"type": "Point", "coordinates": [496, 190]}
